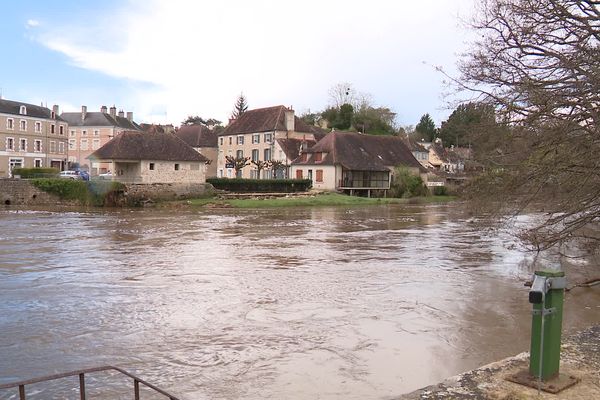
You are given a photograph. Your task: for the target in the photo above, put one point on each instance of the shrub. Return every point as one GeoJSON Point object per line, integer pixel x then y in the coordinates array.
{"type": "Point", "coordinates": [28, 173]}
{"type": "Point", "coordinates": [96, 193]}
{"type": "Point", "coordinates": [440, 191]}
{"type": "Point", "coordinates": [407, 184]}
{"type": "Point", "coordinates": [261, 185]}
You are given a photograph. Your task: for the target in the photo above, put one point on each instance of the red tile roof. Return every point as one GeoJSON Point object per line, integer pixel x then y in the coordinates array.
{"type": "Point", "coordinates": [264, 120]}
{"type": "Point", "coordinates": [197, 136]}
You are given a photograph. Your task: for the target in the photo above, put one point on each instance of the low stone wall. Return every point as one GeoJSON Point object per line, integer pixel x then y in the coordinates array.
{"type": "Point", "coordinates": [22, 192]}
{"type": "Point", "coordinates": [141, 193]}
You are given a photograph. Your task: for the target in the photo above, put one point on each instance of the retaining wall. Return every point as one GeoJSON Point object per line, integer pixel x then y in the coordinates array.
{"type": "Point", "coordinates": [22, 192]}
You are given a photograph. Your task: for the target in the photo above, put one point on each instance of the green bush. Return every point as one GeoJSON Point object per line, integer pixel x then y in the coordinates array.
{"type": "Point", "coordinates": [95, 193]}
{"type": "Point", "coordinates": [407, 184]}
{"type": "Point", "coordinates": [440, 191]}
{"type": "Point", "coordinates": [28, 173]}
{"type": "Point", "coordinates": [261, 185]}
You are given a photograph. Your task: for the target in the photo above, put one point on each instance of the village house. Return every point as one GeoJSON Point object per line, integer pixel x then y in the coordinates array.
{"type": "Point", "coordinates": [31, 137]}
{"type": "Point", "coordinates": [264, 134]}
{"type": "Point", "coordinates": [354, 162]}
{"type": "Point", "coordinates": [147, 158]}
{"type": "Point", "coordinates": [204, 141]}
{"type": "Point", "coordinates": [420, 152]}
{"type": "Point", "coordinates": [88, 131]}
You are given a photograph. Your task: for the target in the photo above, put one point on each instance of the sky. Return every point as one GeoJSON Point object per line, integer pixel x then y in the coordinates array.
{"type": "Point", "coordinates": [167, 59]}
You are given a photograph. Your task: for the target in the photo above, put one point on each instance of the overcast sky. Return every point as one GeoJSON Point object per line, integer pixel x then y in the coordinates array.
{"type": "Point", "coordinates": [166, 59]}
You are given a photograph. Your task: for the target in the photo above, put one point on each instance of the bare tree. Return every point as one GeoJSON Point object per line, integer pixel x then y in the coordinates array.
{"type": "Point", "coordinates": [238, 163]}
{"type": "Point", "coordinates": [537, 63]}
{"type": "Point", "coordinates": [344, 93]}
{"type": "Point", "coordinates": [260, 165]}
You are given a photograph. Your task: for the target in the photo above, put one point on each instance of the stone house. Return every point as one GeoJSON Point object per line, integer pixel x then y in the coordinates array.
{"type": "Point", "coordinates": [142, 157]}
{"type": "Point", "coordinates": [204, 141]}
{"type": "Point", "coordinates": [354, 162]}
{"type": "Point", "coordinates": [31, 136]}
{"type": "Point", "coordinates": [264, 134]}
{"type": "Point", "coordinates": [88, 131]}
{"type": "Point", "coordinates": [418, 150]}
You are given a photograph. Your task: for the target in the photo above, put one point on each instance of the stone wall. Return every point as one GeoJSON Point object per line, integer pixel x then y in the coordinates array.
{"type": "Point", "coordinates": [22, 192]}
{"type": "Point", "coordinates": [141, 193]}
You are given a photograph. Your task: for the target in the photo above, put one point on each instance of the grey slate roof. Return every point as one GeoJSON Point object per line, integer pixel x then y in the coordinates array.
{"type": "Point", "coordinates": [197, 136]}
{"type": "Point", "coordinates": [136, 145]}
{"type": "Point", "coordinates": [360, 152]}
{"type": "Point", "coordinates": [99, 119]}
{"type": "Point", "coordinates": [13, 107]}
{"type": "Point", "coordinates": [291, 147]}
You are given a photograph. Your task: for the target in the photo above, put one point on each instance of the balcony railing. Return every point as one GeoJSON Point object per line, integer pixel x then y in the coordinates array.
{"type": "Point", "coordinates": [81, 373]}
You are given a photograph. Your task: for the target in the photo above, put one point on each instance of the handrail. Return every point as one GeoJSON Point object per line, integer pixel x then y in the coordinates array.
{"type": "Point", "coordinates": [136, 382]}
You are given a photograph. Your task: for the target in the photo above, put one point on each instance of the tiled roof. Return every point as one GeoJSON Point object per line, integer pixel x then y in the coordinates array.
{"type": "Point", "coordinates": [263, 120]}
{"type": "Point", "coordinates": [14, 107]}
{"type": "Point", "coordinates": [414, 145]}
{"type": "Point", "coordinates": [197, 136]}
{"type": "Point", "coordinates": [136, 145]}
{"type": "Point", "coordinates": [362, 152]}
{"type": "Point", "coordinates": [99, 119]}
{"type": "Point", "coordinates": [291, 147]}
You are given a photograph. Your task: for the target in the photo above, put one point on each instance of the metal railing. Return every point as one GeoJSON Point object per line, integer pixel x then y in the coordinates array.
{"type": "Point", "coordinates": [136, 382]}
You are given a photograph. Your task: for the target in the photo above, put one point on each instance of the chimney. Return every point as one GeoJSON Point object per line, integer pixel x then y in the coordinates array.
{"type": "Point", "coordinates": [113, 111]}
{"type": "Point", "coordinates": [83, 113]}
{"type": "Point", "coordinates": [103, 109]}
{"type": "Point", "coordinates": [121, 114]}
{"type": "Point", "coordinates": [289, 120]}
{"type": "Point", "coordinates": [231, 121]}
{"type": "Point", "coordinates": [130, 116]}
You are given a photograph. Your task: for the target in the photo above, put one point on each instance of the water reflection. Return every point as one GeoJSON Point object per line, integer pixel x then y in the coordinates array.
{"type": "Point", "coordinates": [319, 302]}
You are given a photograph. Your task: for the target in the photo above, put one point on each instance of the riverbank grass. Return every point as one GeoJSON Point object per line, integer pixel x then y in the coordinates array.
{"type": "Point", "coordinates": [325, 199]}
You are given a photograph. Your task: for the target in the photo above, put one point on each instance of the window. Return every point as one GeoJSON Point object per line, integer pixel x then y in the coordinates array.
{"type": "Point", "coordinates": [230, 140]}
{"type": "Point", "coordinates": [37, 146]}
{"type": "Point", "coordinates": [38, 126]}
{"type": "Point", "coordinates": [253, 174]}
{"type": "Point", "coordinates": [23, 144]}
{"type": "Point", "coordinates": [52, 128]}
{"type": "Point", "coordinates": [96, 132]}
{"type": "Point", "coordinates": [10, 123]}
{"type": "Point", "coordinates": [255, 155]}
{"type": "Point", "coordinates": [23, 110]}
{"type": "Point", "coordinates": [83, 133]}
{"type": "Point", "coordinates": [84, 144]}
{"type": "Point", "coordinates": [52, 146]}
{"type": "Point", "coordinates": [221, 171]}
{"type": "Point", "coordinates": [176, 167]}
{"type": "Point", "coordinates": [37, 163]}
{"type": "Point", "coordinates": [240, 154]}
{"type": "Point", "coordinates": [151, 166]}
{"type": "Point", "coordinates": [61, 130]}
{"type": "Point", "coordinates": [304, 157]}
{"type": "Point", "coordinates": [318, 157]}
{"type": "Point", "coordinates": [298, 174]}
{"type": "Point", "coordinates": [240, 139]}
{"type": "Point", "coordinates": [256, 138]}
{"type": "Point", "coordinates": [95, 144]}
{"type": "Point", "coordinates": [267, 154]}
{"type": "Point", "coordinates": [221, 141]}
{"type": "Point", "coordinates": [310, 174]}
{"type": "Point", "coordinates": [72, 144]}
{"type": "Point", "coordinates": [61, 147]}
{"type": "Point", "coordinates": [23, 125]}
{"type": "Point", "coordinates": [319, 174]}
{"type": "Point", "coordinates": [72, 134]}
{"type": "Point", "coordinates": [268, 137]}
{"type": "Point", "coordinates": [10, 143]}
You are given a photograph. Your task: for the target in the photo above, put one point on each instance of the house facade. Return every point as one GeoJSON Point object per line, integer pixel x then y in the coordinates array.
{"type": "Point", "coordinates": [418, 150]}
{"type": "Point", "coordinates": [147, 158]}
{"type": "Point", "coordinates": [88, 131]}
{"type": "Point", "coordinates": [264, 134]}
{"type": "Point", "coordinates": [354, 162]}
{"type": "Point", "coordinates": [204, 140]}
{"type": "Point", "coordinates": [31, 137]}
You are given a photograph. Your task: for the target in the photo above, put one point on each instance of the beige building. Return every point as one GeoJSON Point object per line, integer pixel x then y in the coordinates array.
{"type": "Point", "coordinates": [88, 131]}
{"type": "Point", "coordinates": [204, 141]}
{"type": "Point", "coordinates": [31, 136]}
{"type": "Point", "coordinates": [264, 134]}
{"type": "Point", "coordinates": [354, 162]}
{"type": "Point", "coordinates": [142, 157]}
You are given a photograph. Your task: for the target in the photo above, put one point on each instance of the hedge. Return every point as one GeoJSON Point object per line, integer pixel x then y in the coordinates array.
{"type": "Point", "coordinates": [261, 185]}
{"type": "Point", "coordinates": [95, 193]}
{"type": "Point", "coordinates": [28, 173]}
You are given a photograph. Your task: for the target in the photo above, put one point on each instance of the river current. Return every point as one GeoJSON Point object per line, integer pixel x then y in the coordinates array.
{"type": "Point", "coordinates": [303, 303]}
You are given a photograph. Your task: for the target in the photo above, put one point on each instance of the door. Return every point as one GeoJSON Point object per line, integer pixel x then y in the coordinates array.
{"type": "Point", "coordinates": [14, 163]}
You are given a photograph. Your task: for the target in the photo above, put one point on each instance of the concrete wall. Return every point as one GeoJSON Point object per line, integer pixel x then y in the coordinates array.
{"type": "Point", "coordinates": [22, 192]}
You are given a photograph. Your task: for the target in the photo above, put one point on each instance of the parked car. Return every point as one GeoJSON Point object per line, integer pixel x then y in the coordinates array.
{"type": "Point", "coordinates": [69, 175]}
{"type": "Point", "coordinates": [84, 175]}
{"type": "Point", "coordinates": [107, 176]}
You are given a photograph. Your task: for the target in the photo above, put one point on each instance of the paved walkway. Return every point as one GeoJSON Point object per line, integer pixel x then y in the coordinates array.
{"type": "Point", "coordinates": [580, 357]}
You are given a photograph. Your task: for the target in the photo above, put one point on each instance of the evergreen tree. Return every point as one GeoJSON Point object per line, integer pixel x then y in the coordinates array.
{"type": "Point", "coordinates": [241, 106]}
{"type": "Point", "coordinates": [426, 128]}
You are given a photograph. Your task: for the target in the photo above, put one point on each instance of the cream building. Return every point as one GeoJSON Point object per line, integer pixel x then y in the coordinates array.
{"type": "Point", "coordinates": [88, 131]}
{"type": "Point", "coordinates": [264, 134]}
{"type": "Point", "coordinates": [204, 141]}
{"type": "Point", "coordinates": [31, 136]}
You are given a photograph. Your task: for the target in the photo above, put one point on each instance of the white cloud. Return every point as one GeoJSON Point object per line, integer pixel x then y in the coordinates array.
{"type": "Point", "coordinates": [200, 55]}
{"type": "Point", "coordinates": [32, 23]}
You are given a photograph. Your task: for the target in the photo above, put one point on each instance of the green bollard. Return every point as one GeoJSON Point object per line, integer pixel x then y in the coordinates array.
{"type": "Point", "coordinates": [547, 295]}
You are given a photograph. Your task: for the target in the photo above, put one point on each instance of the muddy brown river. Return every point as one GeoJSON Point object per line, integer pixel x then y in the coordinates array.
{"type": "Point", "coordinates": [305, 303]}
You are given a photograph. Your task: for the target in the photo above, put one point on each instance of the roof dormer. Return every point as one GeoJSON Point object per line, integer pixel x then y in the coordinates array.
{"type": "Point", "coordinates": [23, 110]}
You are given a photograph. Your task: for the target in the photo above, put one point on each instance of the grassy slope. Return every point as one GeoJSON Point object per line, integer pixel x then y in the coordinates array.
{"type": "Point", "coordinates": [330, 199]}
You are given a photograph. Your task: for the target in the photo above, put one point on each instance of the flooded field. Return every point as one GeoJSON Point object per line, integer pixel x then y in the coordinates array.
{"type": "Point", "coordinates": [327, 303]}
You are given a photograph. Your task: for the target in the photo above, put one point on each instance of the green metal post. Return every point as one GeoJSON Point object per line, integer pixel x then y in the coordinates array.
{"type": "Point", "coordinates": [545, 347]}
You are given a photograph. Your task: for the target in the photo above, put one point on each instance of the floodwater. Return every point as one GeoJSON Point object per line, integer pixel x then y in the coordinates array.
{"type": "Point", "coordinates": [306, 303]}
